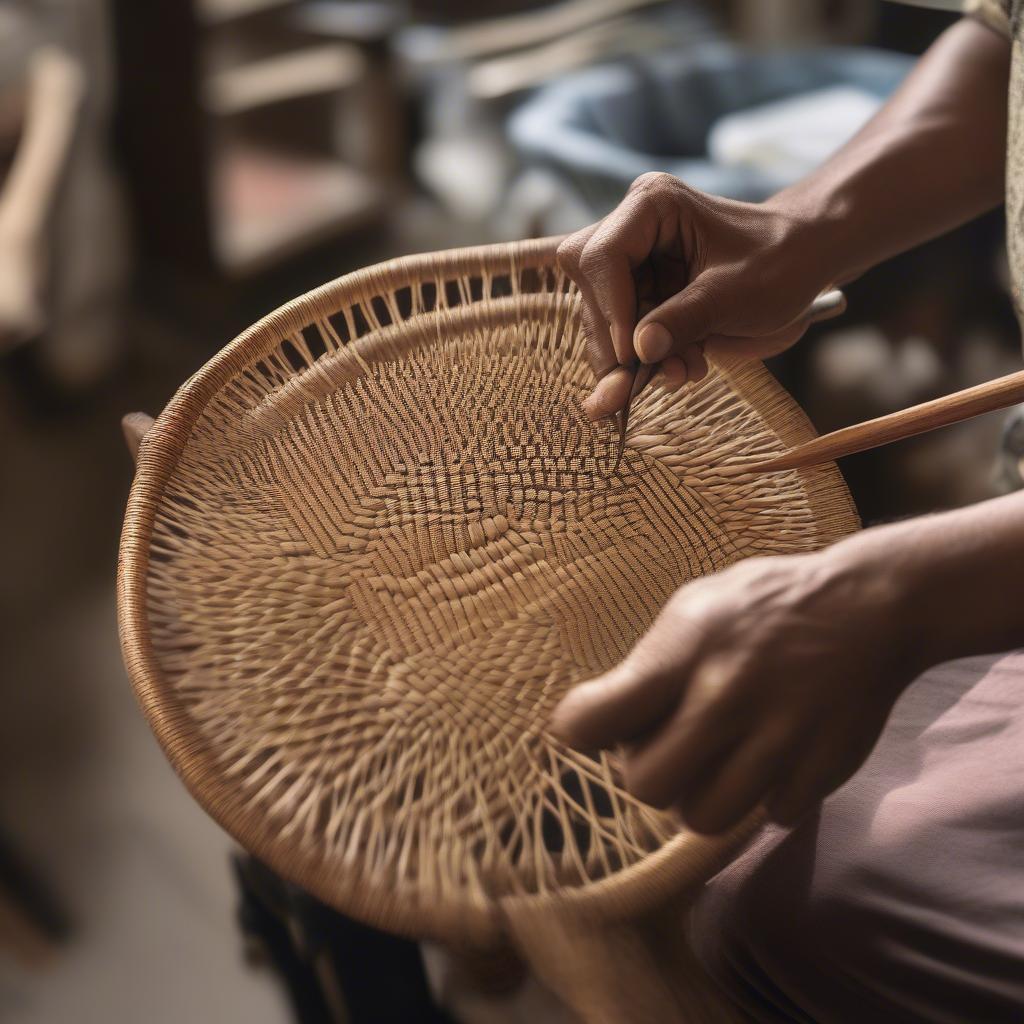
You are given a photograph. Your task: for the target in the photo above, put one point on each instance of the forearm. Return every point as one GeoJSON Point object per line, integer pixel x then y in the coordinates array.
{"type": "Point", "coordinates": [931, 159]}
{"type": "Point", "coordinates": [956, 579]}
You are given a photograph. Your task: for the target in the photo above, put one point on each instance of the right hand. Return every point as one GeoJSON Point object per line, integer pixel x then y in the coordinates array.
{"type": "Point", "coordinates": [672, 272]}
{"type": "Point", "coordinates": [755, 684]}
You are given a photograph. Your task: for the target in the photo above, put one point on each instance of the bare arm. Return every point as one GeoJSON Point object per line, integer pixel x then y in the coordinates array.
{"type": "Point", "coordinates": [672, 270]}
{"type": "Point", "coordinates": [931, 159]}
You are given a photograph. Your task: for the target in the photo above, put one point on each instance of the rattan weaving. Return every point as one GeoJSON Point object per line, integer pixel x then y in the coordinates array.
{"type": "Point", "coordinates": [374, 540]}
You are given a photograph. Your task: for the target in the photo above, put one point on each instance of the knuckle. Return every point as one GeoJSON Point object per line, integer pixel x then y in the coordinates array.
{"type": "Point", "coordinates": [567, 255]}
{"type": "Point", "coordinates": [695, 620]}
{"type": "Point", "coordinates": [751, 568]}
{"type": "Point", "coordinates": [695, 606]}
{"type": "Point", "coordinates": [654, 182]}
{"type": "Point", "coordinates": [594, 258]}
{"type": "Point", "coordinates": [713, 678]}
{"type": "Point", "coordinates": [655, 193]}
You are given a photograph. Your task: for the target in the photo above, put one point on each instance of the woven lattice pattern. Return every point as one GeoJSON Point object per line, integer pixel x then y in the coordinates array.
{"type": "Point", "coordinates": [387, 541]}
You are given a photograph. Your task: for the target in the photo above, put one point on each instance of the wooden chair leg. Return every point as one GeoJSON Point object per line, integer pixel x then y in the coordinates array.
{"type": "Point", "coordinates": [135, 426]}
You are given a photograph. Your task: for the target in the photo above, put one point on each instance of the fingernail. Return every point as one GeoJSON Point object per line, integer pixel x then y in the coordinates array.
{"type": "Point", "coordinates": [653, 343]}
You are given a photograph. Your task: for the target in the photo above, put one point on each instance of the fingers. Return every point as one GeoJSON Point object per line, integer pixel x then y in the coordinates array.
{"type": "Point", "coordinates": [612, 390]}
{"type": "Point", "coordinates": [622, 243]}
{"type": "Point", "coordinates": [824, 765]}
{"type": "Point", "coordinates": [679, 323]}
{"type": "Point", "coordinates": [810, 778]}
{"type": "Point", "coordinates": [605, 260]}
{"type": "Point", "coordinates": [799, 793]}
{"type": "Point", "coordinates": [736, 786]}
{"type": "Point", "coordinates": [693, 740]}
{"type": "Point", "coordinates": [675, 763]}
{"type": "Point", "coordinates": [614, 708]}
{"type": "Point", "coordinates": [600, 352]}
{"type": "Point", "coordinates": [609, 394]}
{"type": "Point", "coordinates": [636, 695]}
{"type": "Point", "coordinates": [614, 263]}
{"type": "Point", "coordinates": [685, 326]}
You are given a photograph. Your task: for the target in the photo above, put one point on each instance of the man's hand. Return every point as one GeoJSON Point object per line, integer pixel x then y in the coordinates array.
{"type": "Point", "coordinates": [672, 270]}
{"type": "Point", "coordinates": [770, 682]}
{"type": "Point", "coordinates": [766, 683]}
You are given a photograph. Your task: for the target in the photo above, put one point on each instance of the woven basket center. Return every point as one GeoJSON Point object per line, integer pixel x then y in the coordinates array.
{"type": "Point", "coordinates": [372, 577]}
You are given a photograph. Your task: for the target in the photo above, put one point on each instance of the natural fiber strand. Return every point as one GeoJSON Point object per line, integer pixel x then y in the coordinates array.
{"type": "Point", "coordinates": [374, 541]}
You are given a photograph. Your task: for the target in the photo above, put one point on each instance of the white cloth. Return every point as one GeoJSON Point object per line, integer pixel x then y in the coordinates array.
{"type": "Point", "coordinates": [792, 136]}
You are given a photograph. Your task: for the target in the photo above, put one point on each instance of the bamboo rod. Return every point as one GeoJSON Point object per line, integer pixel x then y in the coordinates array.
{"type": "Point", "coordinates": [918, 419]}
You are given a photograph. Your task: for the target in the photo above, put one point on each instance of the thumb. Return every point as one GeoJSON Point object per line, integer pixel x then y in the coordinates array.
{"type": "Point", "coordinates": [634, 697]}
{"type": "Point", "coordinates": [685, 319]}
{"type": "Point", "coordinates": [617, 707]}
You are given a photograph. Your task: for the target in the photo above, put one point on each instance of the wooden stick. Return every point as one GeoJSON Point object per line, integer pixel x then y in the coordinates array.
{"type": "Point", "coordinates": [918, 419]}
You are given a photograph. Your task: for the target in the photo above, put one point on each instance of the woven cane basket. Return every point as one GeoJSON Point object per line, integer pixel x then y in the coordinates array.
{"type": "Point", "coordinates": [374, 540]}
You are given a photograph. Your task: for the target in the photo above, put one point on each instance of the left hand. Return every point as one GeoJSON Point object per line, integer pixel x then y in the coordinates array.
{"type": "Point", "coordinates": [766, 683]}
{"type": "Point", "coordinates": [699, 271]}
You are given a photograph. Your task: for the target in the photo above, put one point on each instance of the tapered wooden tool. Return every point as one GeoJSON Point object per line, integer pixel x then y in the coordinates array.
{"type": "Point", "coordinates": [918, 419]}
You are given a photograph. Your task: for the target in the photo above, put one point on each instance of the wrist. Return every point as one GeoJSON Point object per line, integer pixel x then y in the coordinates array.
{"type": "Point", "coordinates": [886, 604]}
{"type": "Point", "coordinates": [812, 233]}
{"type": "Point", "coordinates": [946, 582]}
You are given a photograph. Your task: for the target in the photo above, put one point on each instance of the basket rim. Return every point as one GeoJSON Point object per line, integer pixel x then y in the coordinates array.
{"type": "Point", "coordinates": [686, 859]}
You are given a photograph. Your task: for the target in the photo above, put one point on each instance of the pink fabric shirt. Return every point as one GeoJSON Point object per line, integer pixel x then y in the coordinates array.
{"type": "Point", "coordinates": [903, 898]}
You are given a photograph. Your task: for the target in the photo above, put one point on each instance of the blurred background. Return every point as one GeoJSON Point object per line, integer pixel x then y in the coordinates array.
{"type": "Point", "coordinates": [171, 170]}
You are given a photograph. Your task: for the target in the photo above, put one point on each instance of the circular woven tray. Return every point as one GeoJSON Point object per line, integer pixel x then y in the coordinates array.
{"type": "Point", "coordinates": [372, 543]}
